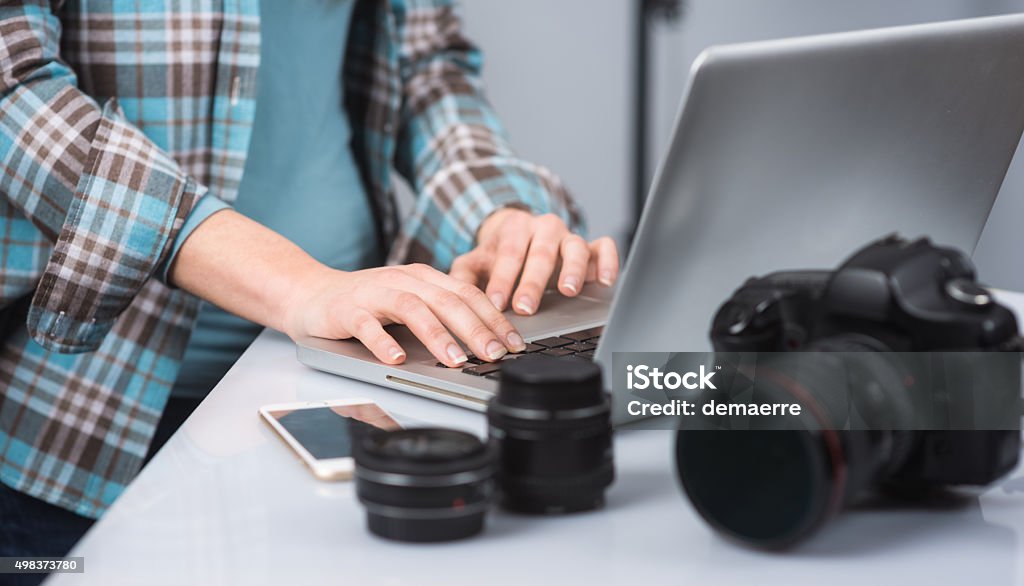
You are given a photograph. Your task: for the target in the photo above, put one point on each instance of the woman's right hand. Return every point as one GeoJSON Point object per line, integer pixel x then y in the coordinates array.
{"type": "Point", "coordinates": [437, 308]}
{"type": "Point", "coordinates": [255, 273]}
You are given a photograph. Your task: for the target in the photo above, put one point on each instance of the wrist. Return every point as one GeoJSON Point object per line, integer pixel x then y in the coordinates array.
{"type": "Point", "coordinates": [303, 287]}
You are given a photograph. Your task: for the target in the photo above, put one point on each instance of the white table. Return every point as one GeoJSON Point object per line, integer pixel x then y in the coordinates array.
{"type": "Point", "coordinates": [226, 503]}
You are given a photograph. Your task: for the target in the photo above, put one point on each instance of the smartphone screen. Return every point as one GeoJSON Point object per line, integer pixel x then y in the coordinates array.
{"type": "Point", "coordinates": [327, 432]}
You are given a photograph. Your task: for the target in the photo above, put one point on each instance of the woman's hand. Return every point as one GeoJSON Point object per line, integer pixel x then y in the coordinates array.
{"type": "Point", "coordinates": [251, 271]}
{"type": "Point", "coordinates": [515, 245]}
{"type": "Point", "coordinates": [338, 305]}
{"type": "Point", "coordinates": [255, 273]}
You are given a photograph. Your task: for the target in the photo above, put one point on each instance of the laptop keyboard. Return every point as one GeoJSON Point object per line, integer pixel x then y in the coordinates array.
{"type": "Point", "coordinates": [581, 344]}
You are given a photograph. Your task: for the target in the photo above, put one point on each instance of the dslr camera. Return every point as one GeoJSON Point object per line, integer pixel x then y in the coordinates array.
{"type": "Point", "coordinates": [908, 372]}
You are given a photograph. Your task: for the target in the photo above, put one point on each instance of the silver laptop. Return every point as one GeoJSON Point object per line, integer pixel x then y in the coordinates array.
{"type": "Point", "coordinates": [786, 154]}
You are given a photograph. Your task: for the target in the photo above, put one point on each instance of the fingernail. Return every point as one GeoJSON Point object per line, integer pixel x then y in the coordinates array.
{"type": "Point", "coordinates": [572, 284]}
{"type": "Point", "coordinates": [524, 306]}
{"type": "Point", "coordinates": [516, 342]}
{"type": "Point", "coordinates": [456, 354]}
{"type": "Point", "coordinates": [396, 354]}
{"type": "Point", "coordinates": [605, 278]}
{"type": "Point", "coordinates": [495, 350]}
{"type": "Point", "coordinates": [498, 300]}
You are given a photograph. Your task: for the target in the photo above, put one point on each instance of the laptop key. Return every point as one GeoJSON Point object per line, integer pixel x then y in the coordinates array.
{"type": "Point", "coordinates": [581, 346]}
{"type": "Point", "coordinates": [553, 342]}
{"type": "Point", "coordinates": [583, 335]}
{"type": "Point", "coordinates": [558, 352]}
{"type": "Point", "coordinates": [482, 369]}
{"type": "Point", "coordinates": [588, 355]}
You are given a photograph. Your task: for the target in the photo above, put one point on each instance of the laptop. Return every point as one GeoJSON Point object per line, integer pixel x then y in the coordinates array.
{"type": "Point", "coordinates": [787, 154]}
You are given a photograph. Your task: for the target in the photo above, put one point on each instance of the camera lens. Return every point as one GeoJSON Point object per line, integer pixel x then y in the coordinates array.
{"type": "Point", "coordinates": [551, 423]}
{"type": "Point", "coordinates": [766, 488]}
{"type": "Point", "coordinates": [424, 484]}
{"type": "Point", "coordinates": [773, 485]}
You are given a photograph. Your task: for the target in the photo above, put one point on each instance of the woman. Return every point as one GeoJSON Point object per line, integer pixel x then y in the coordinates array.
{"type": "Point", "coordinates": [162, 204]}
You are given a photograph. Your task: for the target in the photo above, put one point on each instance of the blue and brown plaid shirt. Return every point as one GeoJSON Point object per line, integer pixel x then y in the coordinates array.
{"type": "Point", "coordinates": [116, 116]}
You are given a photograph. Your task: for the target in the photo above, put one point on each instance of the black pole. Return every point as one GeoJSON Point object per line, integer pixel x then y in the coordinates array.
{"type": "Point", "coordinates": [644, 11]}
{"type": "Point", "coordinates": [641, 50]}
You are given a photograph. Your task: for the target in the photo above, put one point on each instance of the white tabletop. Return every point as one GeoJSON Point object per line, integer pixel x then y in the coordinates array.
{"type": "Point", "coordinates": [225, 502]}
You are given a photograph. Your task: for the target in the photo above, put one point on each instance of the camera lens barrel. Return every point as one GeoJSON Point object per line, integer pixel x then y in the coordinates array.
{"type": "Point", "coordinates": [551, 423]}
{"type": "Point", "coordinates": [424, 485]}
{"type": "Point", "coordinates": [772, 488]}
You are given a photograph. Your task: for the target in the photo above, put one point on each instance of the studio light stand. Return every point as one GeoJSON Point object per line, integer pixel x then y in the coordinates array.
{"type": "Point", "coordinates": [647, 12]}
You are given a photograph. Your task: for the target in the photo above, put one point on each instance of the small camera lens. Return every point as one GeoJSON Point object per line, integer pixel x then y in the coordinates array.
{"type": "Point", "coordinates": [424, 484]}
{"type": "Point", "coordinates": [551, 423]}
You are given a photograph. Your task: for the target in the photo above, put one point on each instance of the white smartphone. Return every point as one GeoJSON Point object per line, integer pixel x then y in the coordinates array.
{"type": "Point", "coordinates": [321, 432]}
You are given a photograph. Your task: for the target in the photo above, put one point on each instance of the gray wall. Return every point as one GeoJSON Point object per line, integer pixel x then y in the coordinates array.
{"type": "Point", "coordinates": [559, 73]}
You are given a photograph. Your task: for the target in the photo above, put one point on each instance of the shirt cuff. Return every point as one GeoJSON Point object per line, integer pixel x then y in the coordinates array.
{"type": "Point", "coordinates": [204, 208]}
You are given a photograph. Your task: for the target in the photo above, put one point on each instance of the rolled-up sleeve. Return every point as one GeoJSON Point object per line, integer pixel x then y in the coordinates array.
{"type": "Point", "coordinates": [452, 147]}
{"type": "Point", "coordinates": [107, 197]}
{"type": "Point", "coordinates": [204, 208]}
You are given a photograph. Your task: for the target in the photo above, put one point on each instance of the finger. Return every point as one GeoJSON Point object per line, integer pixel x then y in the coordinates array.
{"type": "Point", "coordinates": [513, 243]}
{"type": "Point", "coordinates": [540, 264]}
{"type": "Point", "coordinates": [575, 257]}
{"type": "Point", "coordinates": [484, 309]}
{"type": "Point", "coordinates": [470, 267]}
{"type": "Point", "coordinates": [456, 314]}
{"type": "Point", "coordinates": [407, 308]}
{"type": "Point", "coordinates": [607, 255]}
{"type": "Point", "coordinates": [368, 330]}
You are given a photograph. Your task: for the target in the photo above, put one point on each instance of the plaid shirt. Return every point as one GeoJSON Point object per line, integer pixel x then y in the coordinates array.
{"type": "Point", "coordinates": [116, 116]}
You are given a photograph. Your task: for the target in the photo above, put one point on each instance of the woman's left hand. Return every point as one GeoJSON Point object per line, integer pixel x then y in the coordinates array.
{"type": "Point", "coordinates": [514, 244]}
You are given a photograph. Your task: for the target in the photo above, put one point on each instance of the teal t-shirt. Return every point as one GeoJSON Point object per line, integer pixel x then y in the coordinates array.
{"type": "Point", "coordinates": [300, 177]}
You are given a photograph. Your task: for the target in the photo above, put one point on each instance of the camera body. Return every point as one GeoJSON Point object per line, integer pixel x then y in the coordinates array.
{"type": "Point", "coordinates": [920, 307]}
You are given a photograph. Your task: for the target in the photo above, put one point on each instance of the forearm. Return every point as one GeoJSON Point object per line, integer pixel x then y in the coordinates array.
{"type": "Point", "coordinates": [245, 268]}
